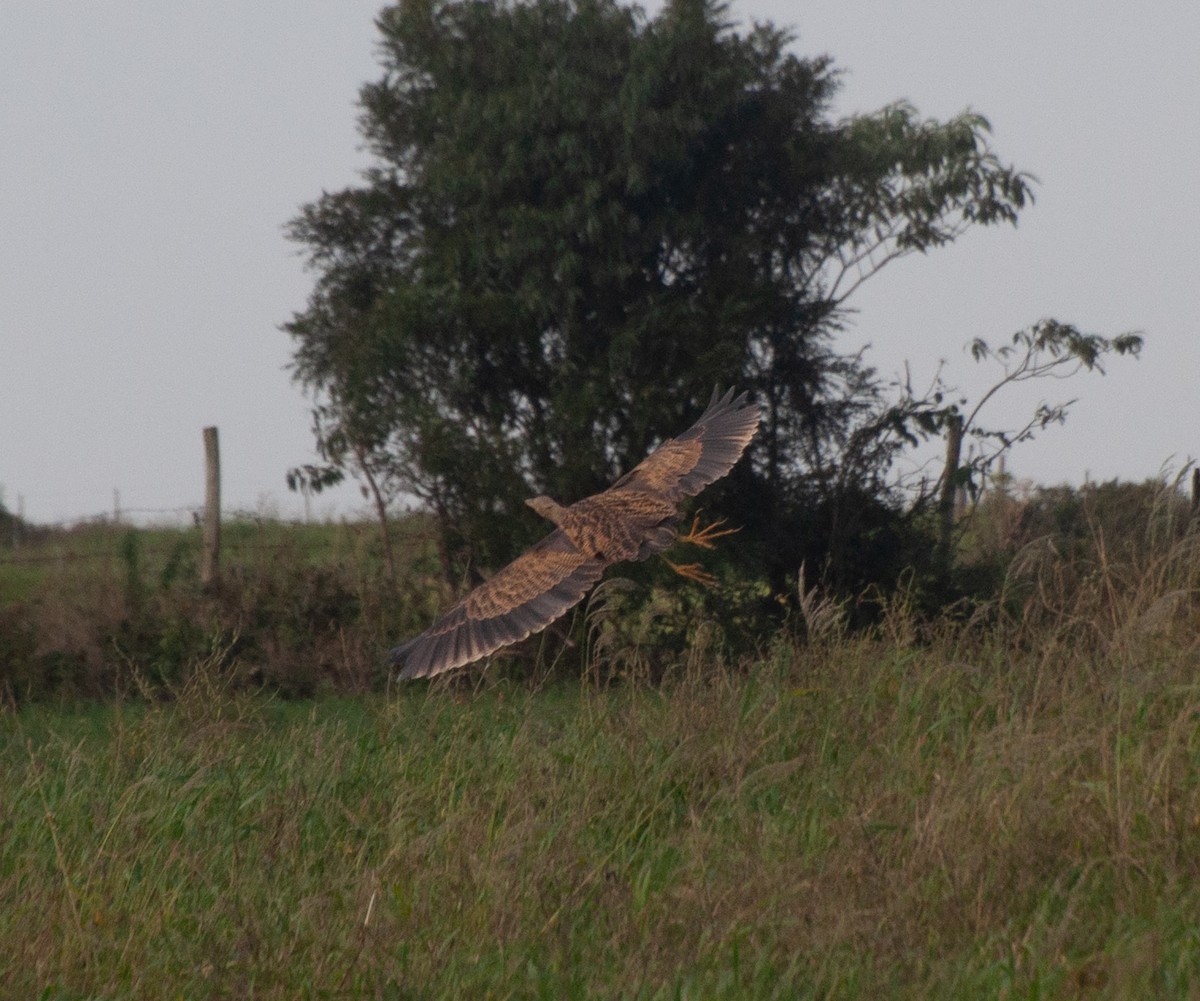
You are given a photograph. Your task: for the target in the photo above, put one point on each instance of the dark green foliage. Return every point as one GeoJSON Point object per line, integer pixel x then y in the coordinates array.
{"type": "Point", "coordinates": [580, 220]}
{"type": "Point", "coordinates": [309, 608]}
{"type": "Point", "coordinates": [1122, 520]}
{"type": "Point", "coordinates": [131, 559]}
{"type": "Point", "coordinates": [18, 644]}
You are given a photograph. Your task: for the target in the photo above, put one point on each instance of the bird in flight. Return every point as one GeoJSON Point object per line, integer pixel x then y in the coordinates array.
{"type": "Point", "coordinates": [631, 520]}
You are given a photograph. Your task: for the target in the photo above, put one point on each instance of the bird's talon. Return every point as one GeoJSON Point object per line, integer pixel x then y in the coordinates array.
{"type": "Point", "coordinates": [692, 571]}
{"type": "Point", "coordinates": [704, 537]}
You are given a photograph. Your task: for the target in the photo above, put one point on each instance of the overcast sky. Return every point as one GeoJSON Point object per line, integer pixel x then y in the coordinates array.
{"type": "Point", "coordinates": [150, 154]}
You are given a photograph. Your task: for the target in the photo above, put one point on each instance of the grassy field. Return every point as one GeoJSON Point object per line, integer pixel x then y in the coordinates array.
{"type": "Point", "coordinates": [1001, 804]}
{"type": "Point", "coordinates": [955, 815]}
{"type": "Point", "coordinates": [304, 609]}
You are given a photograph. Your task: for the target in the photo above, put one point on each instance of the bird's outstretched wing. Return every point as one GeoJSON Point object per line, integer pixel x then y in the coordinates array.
{"type": "Point", "coordinates": [547, 580]}
{"type": "Point", "coordinates": [683, 466]}
{"type": "Point", "coordinates": [527, 595]}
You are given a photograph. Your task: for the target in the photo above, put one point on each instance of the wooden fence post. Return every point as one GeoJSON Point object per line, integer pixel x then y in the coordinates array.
{"type": "Point", "coordinates": [17, 522]}
{"type": "Point", "coordinates": [1196, 494]}
{"type": "Point", "coordinates": [210, 557]}
{"type": "Point", "coordinates": [954, 436]}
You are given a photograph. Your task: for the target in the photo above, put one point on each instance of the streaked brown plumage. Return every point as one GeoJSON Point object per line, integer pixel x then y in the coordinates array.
{"type": "Point", "coordinates": [631, 520]}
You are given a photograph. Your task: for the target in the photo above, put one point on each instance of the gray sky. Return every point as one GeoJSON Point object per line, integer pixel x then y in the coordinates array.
{"type": "Point", "coordinates": [150, 154]}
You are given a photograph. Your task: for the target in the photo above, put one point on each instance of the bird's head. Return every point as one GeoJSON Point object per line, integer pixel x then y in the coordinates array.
{"type": "Point", "coordinates": [546, 507]}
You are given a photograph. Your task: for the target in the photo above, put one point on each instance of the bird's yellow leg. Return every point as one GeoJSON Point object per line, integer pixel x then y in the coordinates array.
{"type": "Point", "coordinates": [704, 537]}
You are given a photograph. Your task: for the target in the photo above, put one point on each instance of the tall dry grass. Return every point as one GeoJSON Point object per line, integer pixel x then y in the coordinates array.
{"type": "Point", "coordinates": [1004, 803]}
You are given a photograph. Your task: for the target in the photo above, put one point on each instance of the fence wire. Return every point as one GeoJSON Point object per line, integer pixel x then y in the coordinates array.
{"type": "Point", "coordinates": [76, 540]}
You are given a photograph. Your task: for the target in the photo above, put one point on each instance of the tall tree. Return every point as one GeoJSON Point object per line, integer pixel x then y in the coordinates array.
{"type": "Point", "coordinates": [578, 221]}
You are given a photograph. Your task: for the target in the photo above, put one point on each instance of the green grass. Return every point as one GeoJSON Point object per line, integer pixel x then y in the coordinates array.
{"type": "Point", "coordinates": [999, 805]}
{"type": "Point", "coordinates": [967, 816]}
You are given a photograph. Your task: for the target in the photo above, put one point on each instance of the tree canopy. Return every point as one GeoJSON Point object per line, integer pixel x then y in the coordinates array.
{"type": "Point", "coordinates": [579, 220]}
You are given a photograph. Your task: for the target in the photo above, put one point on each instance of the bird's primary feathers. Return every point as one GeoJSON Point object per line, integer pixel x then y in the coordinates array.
{"type": "Point", "coordinates": [631, 520]}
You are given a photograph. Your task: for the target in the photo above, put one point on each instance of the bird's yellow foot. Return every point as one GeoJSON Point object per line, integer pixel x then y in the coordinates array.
{"type": "Point", "coordinates": [692, 571]}
{"type": "Point", "coordinates": [703, 537]}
